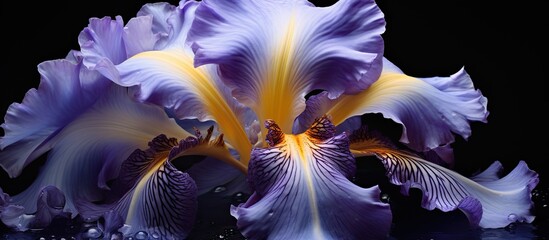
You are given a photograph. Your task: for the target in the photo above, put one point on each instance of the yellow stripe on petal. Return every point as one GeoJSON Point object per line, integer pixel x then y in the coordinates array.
{"type": "Point", "coordinates": [300, 145]}
{"type": "Point", "coordinates": [280, 92]}
{"type": "Point", "coordinates": [138, 190]}
{"type": "Point", "coordinates": [202, 84]}
{"type": "Point", "coordinates": [384, 89]}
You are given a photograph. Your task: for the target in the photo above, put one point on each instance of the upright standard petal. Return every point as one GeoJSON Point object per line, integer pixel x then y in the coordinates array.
{"type": "Point", "coordinates": [431, 110]}
{"type": "Point", "coordinates": [272, 53]}
{"type": "Point", "coordinates": [487, 200]}
{"type": "Point", "coordinates": [168, 78]}
{"type": "Point", "coordinates": [302, 190]}
{"type": "Point", "coordinates": [91, 148]}
{"type": "Point", "coordinates": [66, 90]}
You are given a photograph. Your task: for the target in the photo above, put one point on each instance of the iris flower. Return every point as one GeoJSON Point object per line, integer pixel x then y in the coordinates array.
{"type": "Point", "coordinates": [271, 94]}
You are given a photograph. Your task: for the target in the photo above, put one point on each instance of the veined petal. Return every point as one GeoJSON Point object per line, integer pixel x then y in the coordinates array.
{"type": "Point", "coordinates": [430, 110]}
{"type": "Point", "coordinates": [66, 90]}
{"type": "Point", "coordinates": [90, 149]}
{"type": "Point", "coordinates": [489, 201]}
{"type": "Point", "coordinates": [302, 190]}
{"type": "Point", "coordinates": [168, 78]}
{"type": "Point", "coordinates": [272, 53]}
{"type": "Point", "coordinates": [152, 194]}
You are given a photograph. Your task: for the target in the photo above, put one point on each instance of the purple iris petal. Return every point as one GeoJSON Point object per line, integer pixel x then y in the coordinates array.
{"type": "Point", "coordinates": [66, 90]}
{"type": "Point", "coordinates": [90, 149]}
{"type": "Point", "coordinates": [153, 195]}
{"type": "Point", "coordinates": [302, 190]}
{"type": "Point", "coordinates": [278, 51]}
{"type": "Point", "coordinates": [431, 110]}
{"type": "Point", "coordinates": [487, 199]}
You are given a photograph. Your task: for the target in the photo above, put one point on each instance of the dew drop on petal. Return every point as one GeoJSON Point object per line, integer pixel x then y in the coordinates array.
{"type": "Point", "coordinates": [155, 235]}
{"type": "Point", "coordinates": [384, 198]}
{"type": "Point", "coordinates": [512, 217]}
{"type": "Point", "coordinates": [93, 233]}
{"type": "Point", "coordinates": [141, 235]}
{"type": "Point", "coordinates": [220, 189]}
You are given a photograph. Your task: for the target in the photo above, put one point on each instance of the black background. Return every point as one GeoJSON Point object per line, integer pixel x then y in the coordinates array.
{"type": "Point", "coordinates": [502, 46]}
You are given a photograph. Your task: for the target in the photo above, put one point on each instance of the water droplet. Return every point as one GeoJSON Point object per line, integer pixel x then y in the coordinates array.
{"type": "Point", "coordinates": [239, 197]}
{"type": "Point", "coordinates": [93, 233]}
{"type": "Point", "coordinates": [271, 213]}
{"type": "Point", "coordinates": [512, 217]}
{"type": "Point", "coordinates": [155, 235]}
{"type": "Point", "coordinates": [62, 239]}
{"type": "Point", "coordinates": [544, 205]}
{"type": "Point", "coordinates": [141, 235]}
{"type": "Point", "coordinates": [220, 189]}
{"type": "Point", "coordinates": [385, 198]}
{"type": "Point", "coordinates": [42, 238]}
{"type": "Point", "coordinates": [221, 236]}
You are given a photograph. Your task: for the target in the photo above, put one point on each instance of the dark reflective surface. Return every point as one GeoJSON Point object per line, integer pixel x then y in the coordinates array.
{"type": "Point", "coordinates": [410, 222]}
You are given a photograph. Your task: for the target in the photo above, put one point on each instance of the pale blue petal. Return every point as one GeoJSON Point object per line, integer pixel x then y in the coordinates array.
{"type": "Point", "coordinates": [272, 53]}
{"type": "Point", "coordinates": [66, 90]}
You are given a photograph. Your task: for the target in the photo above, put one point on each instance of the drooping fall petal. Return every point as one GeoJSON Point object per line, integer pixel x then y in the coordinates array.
{"type": "Point", "coordinates": [91, 148]}
{"type": "Point", "coordinates": [302, 190]}
{"type": "Point", "coordinates": [488, 200]}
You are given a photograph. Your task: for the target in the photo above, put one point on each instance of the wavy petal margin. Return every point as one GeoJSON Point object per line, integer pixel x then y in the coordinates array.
{"type": "Point", "coordinates": [488, 201]}
{"type": "Point", "coordinates": [302, 190]}
{"type": "Point", "coordinates": [272, 53]}
{"type": "Point", "coordinates": [431, 110]}
{"type": "Point", "coordinates": [166, 76]}
{"type": "Point", "coordinates": [90, 149]}
{"type": "Point", "coordinates": [66, 90]}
